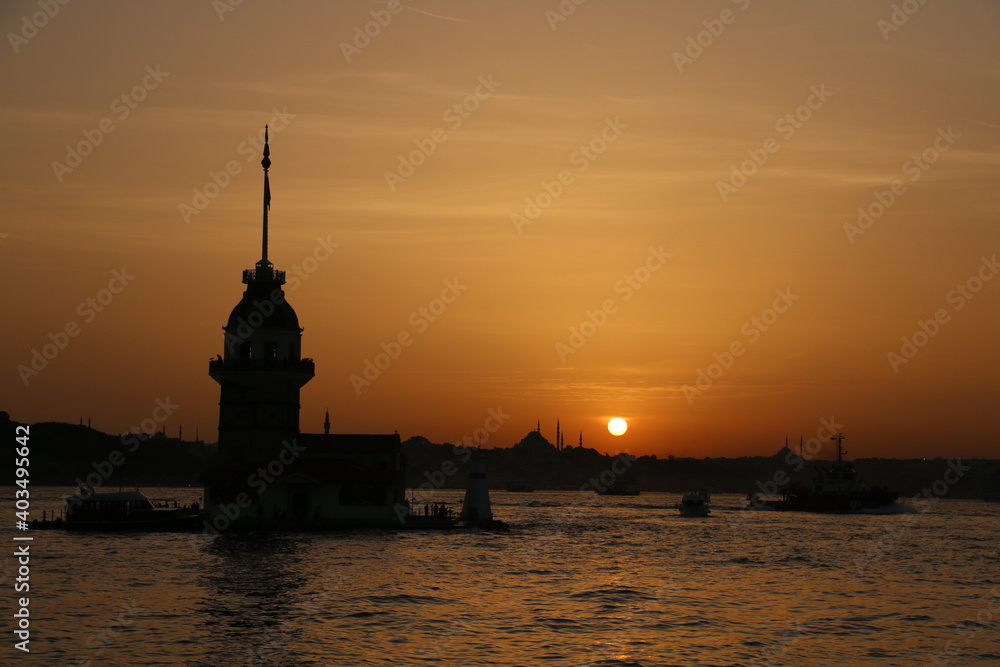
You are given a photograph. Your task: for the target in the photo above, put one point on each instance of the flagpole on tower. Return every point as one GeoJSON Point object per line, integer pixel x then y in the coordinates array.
{"type": "Point", "coordinates": [266, 164]}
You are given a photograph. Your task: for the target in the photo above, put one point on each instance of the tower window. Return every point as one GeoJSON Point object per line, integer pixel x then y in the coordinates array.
{"type": "Point", "coordinates": [270, 350]}
{"type": "Point", "coordinates": [246, 351]}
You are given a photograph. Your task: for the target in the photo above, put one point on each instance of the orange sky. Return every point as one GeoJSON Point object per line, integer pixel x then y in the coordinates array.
{"type": "Point", "coordinates": [617, 111]}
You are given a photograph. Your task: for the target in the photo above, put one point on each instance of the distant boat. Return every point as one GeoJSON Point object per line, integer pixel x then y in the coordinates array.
{"type": "Point", "coordinates": [836, 489]}
{"type": "Point", "coordinates": [520, 486]}
{"type": "Point", "coordinates": [623, 486]}
{"type": "Point", "coordinates": [695, 504]}
{"type": "Point", "coordinates": [121, 510]}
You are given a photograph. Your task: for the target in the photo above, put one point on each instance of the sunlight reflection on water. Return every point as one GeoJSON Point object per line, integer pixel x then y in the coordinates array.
{"type": "Point", "coordinates": [579, 580]}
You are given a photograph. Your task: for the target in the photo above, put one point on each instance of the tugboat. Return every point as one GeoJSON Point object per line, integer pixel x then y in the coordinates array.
{"type": "Point", "coordinates": [695, 504]}
{"type": "Point", "coordinates": [121, 510]}
{"type": "Point", "coordinates": [623, 486]}
{"type": "Point", "coordinates": [836, 489]}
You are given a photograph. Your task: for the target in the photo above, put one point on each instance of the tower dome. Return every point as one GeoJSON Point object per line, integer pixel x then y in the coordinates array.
{"type": "Point", "coordinates": [263, 305]}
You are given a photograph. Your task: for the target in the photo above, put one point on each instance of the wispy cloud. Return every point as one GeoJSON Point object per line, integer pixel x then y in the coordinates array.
{"type": "Point", "coordinates": [426, 13]}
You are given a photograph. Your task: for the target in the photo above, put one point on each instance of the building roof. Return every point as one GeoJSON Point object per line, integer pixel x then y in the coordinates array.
{"type": "Point", "coordinates": [348, 445]}
{"type": "Point", "coordinates": [259, 301]}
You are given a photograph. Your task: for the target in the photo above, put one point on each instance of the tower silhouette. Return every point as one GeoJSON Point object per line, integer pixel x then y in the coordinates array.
{"type": "Point", "coordinates": [262, 369]}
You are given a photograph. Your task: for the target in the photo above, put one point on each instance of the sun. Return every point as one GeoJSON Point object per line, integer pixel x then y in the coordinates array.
{"type": "Point", "coordinates": [617, 426]}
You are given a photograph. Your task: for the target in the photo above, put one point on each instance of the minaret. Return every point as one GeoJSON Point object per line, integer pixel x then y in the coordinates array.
{"type": "Point", "coordinates": [581, 439]}
{"type": "Point", "coordinates": [262, 369]}
{"type": "Point", "coordinates": [538, 428]}
{"type": "Point", "coordinates": [326, 424]}
{"type": "Point", "coordinates": [557, 434]}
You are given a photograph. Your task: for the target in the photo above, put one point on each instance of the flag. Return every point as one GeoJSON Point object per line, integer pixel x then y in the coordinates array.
{"type": "Point", "coordinates": [267, 193]}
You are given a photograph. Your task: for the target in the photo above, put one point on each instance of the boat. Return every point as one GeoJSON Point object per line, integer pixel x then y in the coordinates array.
{"type": "Point", "coordinates": [695, 503]}
{"type": "Point", "coordinates": [121, 510]}
{"type": "Point", "coordinates": [836, 489]}
{"type": "Point", "coordinates": [520, 486]}
{"type": "Point", "coordinates": [623, 486]}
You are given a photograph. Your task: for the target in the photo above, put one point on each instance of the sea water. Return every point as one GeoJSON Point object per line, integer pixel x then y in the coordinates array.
{"type": "Point", "coordinates": [579, 579]}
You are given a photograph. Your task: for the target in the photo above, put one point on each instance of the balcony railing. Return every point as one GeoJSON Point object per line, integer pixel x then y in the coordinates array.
{"type": "Point", "coordinates": [263, 274]}
{"type": "Point", "coordinates": [303, 366]}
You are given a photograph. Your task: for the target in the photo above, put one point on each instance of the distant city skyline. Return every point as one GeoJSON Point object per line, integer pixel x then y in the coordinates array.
{"type": "Point", "coordinates": [716, 222]}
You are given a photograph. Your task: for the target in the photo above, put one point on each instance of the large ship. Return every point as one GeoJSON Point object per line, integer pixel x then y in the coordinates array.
{"type": "Point", "coordinates": [836, 489]}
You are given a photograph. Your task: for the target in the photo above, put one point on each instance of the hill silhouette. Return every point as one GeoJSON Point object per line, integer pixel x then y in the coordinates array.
{"type": "Point", "coordinates": [67, 454]}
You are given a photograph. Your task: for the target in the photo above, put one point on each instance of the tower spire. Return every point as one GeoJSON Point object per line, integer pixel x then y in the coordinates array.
{"type": "Point", "coordinates": [326, 424]}
{"type": "Point", "coordinates": [266, 164]}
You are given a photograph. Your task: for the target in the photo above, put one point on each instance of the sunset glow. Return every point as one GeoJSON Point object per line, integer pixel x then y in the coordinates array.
{"type": "Point", "coordinates": [495, 206]}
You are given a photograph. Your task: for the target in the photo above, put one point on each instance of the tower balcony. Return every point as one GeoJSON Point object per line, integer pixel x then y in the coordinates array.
{"type": "Point", "coordinates": [218, 367]}
{"type": "Point", "coordinates": [263, 274]}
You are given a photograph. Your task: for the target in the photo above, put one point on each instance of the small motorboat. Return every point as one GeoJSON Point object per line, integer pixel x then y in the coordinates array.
{"type": "Point", "coordinates": [695, 503]}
